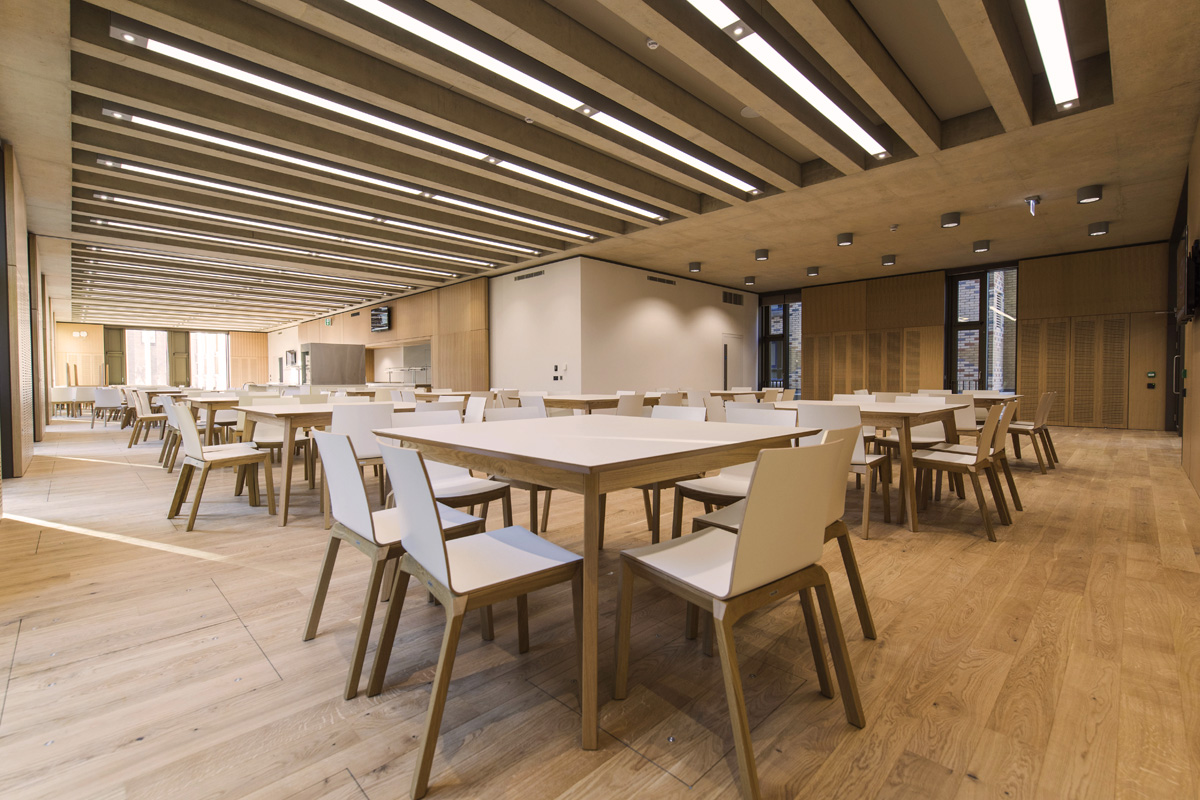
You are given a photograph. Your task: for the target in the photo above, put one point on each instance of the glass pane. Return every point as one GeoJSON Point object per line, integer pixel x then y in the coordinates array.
{"type": "Point", "coordinates": [146, 358]}
{"type": "Point", "coordinates": [1002, 330]}
{"type": "Point", "coordinates": [968, 300]}
{"type": "Point", "coordinates": [776, 363]}
{"type": "Point", "coordinates": [968, 361]}
{"type": "Point", "coordinates": [775, 321]}
{"type": "Point", "coordinates": [210, 360]}
{"type": "Point", "coordinates": [793, 378]}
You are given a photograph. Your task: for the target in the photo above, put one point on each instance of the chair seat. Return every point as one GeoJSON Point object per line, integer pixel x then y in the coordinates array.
{"type": "Point", "coordinates": [454, 522]}
{"type": "Point", "coordinates": [493, 557]}
{"type": "Point", "coordinates": [465, 486]}
{"type": "Point", "coordinates": [946, 447]}
{"type": "Point", "coordinates": [152, 417]}
{"type": "Point", "coordinates": [932, 458]}
{"type": "Point", "coordinates": [703, 559]}
{"type": "Point", "coordinates": [917, 439]}
{"type": "Point", "coordinates": [226, 452]}
{"type": "Point", "coordinates": [864, 466]}
{"type": "Point", "coordinates": [734, 486]}
{"type": "Point", "coordinates": [1022, 427]}
{"type": "Point", "coordinates": [727, 518]}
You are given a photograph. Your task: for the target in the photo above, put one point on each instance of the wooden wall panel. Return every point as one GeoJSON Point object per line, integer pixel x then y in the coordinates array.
{"type": "Point", "coordinates": [460, 360]}
{"type": "Point", "coordinates": [462, 307]}
{"type": "Point", "coordinates": [247, 358]}
{"type": "Point", "coordinates": [1119, 281]}
{"type": "Point", "coordinates": [1148, 353]}
{"type": "Point", "coordinates": [837, 307]}
{"type": "Point", "coordinates": [83, 354]}
{"type": "Point", "coordinates": [858, 373]}
{"type": "Point", "coordinates": [933, 357]}
{"type": "Point", "coordinates": [906, 301]}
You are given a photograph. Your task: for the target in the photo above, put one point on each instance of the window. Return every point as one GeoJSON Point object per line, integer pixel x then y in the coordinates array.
{"type": "Point", "coordinates": [982, 331]}
{"type": "Point", "coordinates": [210, 360]}
{"type": "Point", "coordinates": [779, 346]}
{"type": "Point", "coordinates": [146, 358]}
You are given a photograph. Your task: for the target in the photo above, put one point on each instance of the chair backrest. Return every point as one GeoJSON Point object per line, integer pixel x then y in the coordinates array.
{"type": "Point", "coordinates": [761, 416]}
{"type": "Point", "coordinates": [780, 535]}
{"type": "Point", "coordinates": [888, 397]}
{"type": "Point", "coordinates": [347, 493]}
{"type": "Point", "coordinates": [742, 389]}
{"type": "Point", "coordinates": [677, 412]}
{"type": "Point", "coordinates": [170, 409]}
{"type": "Point", "coordinates": [987, 434]}
{"type": "Point", "coordinates": [60, 394]}
{"type": "Point", "coordinates": [1007, 414]}
{"type": "Point", "coordinates": [828, 416]}
{"type": "Point", "coordinates": [447, 405]}
{"type": "Point", "coordinates": [848, 440]}
{"type": "Point", "coordinates": [408, 396]}
{"type": "Point", "coordinates": [714, 407]}
{"type": "Point", "coordinates": [416, 512]}
{"type": "Point", "coordinates": [852, 398]}
{"type": "Point", "coordinates": [745, 398]}
{"type": "Point", "coordinates": [475, 407]}
{"type": "Point", "coordinates": [441, 391]}
{"type": "Point", "coordinates": [509, 398]}
{"type": "Point", "coordinates": [406, 419]}
{"type": "Point", "coordinates": [85, 394]}
{"type": "Point", "coordinates": [142, 403]}
{"type": "Point", "coordinates": [108, 398]}
{"type": "Point", "coordinates": [291, 391]}
{"type": "Point", "coordinates": [922, 398]}
{"type": "Point", "coordinates": [502, 414]}
{"type": "Point", "coordinates": [186, 424]}
{"type": "Point", "coordinates": [964, 418]}
{"type": "Point", "coordinates": [695, 397]}
{"type": "Point", "coordinates": [732, 404]}
{"type": "Point", "coordinates": [533, 401]}
{"type": "Point", "coordinates": [771, 395]}
{"type": "Point", "coordinates": [397, 396]}
{"type": "Point", "coordinates": [358, 421]}
{"type": "Point", "coordinates": [862, 391]}
{"type": "Point", "coordinates": [1045, 403]}
{"type": "Point", "coordinates": [670, 399]}
{"type": "Point", "coordinates": [631, 405]}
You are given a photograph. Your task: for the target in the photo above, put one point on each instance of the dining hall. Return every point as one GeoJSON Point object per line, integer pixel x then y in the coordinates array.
{"type": "Point", "coordinates": [600, 399]}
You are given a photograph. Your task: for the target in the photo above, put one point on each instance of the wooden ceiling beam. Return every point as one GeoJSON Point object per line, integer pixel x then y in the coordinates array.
{"type": "Point", "coordinates": [555, 39]}
{"type": "Point", "coordinates": [839, 34]}
{"type": "Point", "coordinates": [990, 39]}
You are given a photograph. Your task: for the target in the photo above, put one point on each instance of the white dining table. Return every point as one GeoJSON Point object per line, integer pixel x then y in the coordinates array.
{"type": "Point", "coordinates": [594, 455]}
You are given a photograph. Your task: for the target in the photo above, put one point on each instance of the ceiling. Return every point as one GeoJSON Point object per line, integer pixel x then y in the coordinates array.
{"type": "Point", "coordinates": [239, 165]}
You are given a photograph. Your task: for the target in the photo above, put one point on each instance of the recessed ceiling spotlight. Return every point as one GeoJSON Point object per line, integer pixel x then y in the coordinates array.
{"type": "Point", "coordinates": [652, 44]}
{"type": "Point", "coordinates": [814, 272]}
{"type": "Point", "coordinates": [693, 266]}
{"type": "Point", "coordinates": [129, 37]}
{"type": "Point", "coordinates": [951, 220]}
{"type": "Point", "coordinates": [845, 239]}
{"type": "Point", "coordinates": [894, 228]}
{"type": "Point", "coordinates": [889, 261]}
{"type": "Point", "coordinates": [1089, 194]}
{"type": "Point", "coordinates": [761, 254]}
{"type": "Point", "coordinates": [982, 246]}
{"type": "Point", "coordinates": [1097, 229]}
{"type": "Point", "coordinates": [749, 280]}
{"type": "Point", "coordinates": [1032, 201]}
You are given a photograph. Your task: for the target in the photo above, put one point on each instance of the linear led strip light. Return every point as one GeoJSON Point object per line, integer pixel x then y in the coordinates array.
{"type": "Point", "coordinates": [95, 266]}
{"type": "Point", "coordinates": [296, 201]}
{"type": "Point", "coordinates": [294, 231]}
{"type": "Point", "coordinates": [719, 14]}
{"type": "Point", "coordinates": [295, 93]}
{"type": "Point", "coordinates": [275, 248]}
{"type": "Point", "coordinates": [330, 169]}
{"type": "Point", "coordinates": [1051, 35]}
{"type": "Point", "coordinates": [240, 265]}
{"type": "Point", "coordinates": [498, 67]}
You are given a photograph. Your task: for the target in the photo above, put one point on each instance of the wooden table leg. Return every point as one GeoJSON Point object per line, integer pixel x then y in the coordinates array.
{"type": "Point", "coordinates": [285, 486]}
{"type": "Point", "coordinates": [907, 472]}
{"type": "Point", "coordinates": [211, 425]}
{"type": "Point", "coordinates": [589, 699]}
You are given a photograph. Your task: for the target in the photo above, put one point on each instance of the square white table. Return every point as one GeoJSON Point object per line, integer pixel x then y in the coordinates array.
{"type": "Point", "coordinates": [594, 455]}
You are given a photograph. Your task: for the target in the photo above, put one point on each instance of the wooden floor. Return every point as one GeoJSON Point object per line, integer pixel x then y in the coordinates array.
{"type": "Point", "coordinates": [137, 660]}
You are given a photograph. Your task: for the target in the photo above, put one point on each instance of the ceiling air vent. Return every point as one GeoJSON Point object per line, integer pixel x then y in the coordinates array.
{"type": "Point", "coordinates": [529, 275]}
{"type": "Point", "coordinates": [657, 279]}
{"type": "Point", "coordinates": [733, 298]}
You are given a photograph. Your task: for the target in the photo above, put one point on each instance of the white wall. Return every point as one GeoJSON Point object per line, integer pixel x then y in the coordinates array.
{"type": "Point", "coordinates": [614, 329]}
{"type": "Point", "coordinates": [535, 326]}
{"type": "Point", "coordinates": [644, 335]}
{"type": "Point", "coordinates": [277, 343]}
{"type": "Point", "coordinates": [413, 355]}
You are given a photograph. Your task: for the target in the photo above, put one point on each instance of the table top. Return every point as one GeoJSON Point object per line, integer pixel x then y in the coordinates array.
{"type": "Point", "coordinates": [727, 394]}
{"type": "Point", "coordinates": [302, 409]}
{"type": "Point", "coordinates": [433, 396]}
{"type": "Point", "coordinates": [595, 443]}
{"type": "Point", "coordinates": [890, 409]}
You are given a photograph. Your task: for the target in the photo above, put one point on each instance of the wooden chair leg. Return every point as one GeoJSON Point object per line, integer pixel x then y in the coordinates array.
{"type": "Point", "coordinates": [269, 480]}
{"type": "Point", "coordinates": [162, 451]}
{"type": "Point", "coordinates": [137, 428]}
{"type": "Point", "coordinates": [240, 483]}
{"type": "Point", "coordinates": [841, 655]}
{"type": "Point", "coordinates": [323, 577]}
{"type": "Point", "coordinates": [1037, 451]}
{"type": "Point", "coordinates": [1049, 440]}
{"type": "Point", "coordinates": [624, 621]}
{"type": "Point", "coordinates": [196, 500]}
{"type": "Point", "coordinates": [1012, 485]}
{"type": "Point", "coordinates": [522, 623]}
{"type": "Point", "coordinates": [181, 490]}
{"type": "Point", "coordinates": [487, 624]}
{"type": "Point", "coordinates": [506, 508]}
{"type": "Point", "coordinates": [814, 642]}
{"type": "Point", "coordinates": [174, 453]}
{"type": "Point", "coordinates": [998, 495]}
{"type": "Point", "coordinates": [737, 703]}
{"type": "Point", "coordinates": [546, 510]}
{"type": "Point", "coordinates": [250, 471]}
{"type": "Point", "coordinates": [649, 512]}
{"type": "Point", "coordinates": [1016, 442]}
{"type": "Point", "coordinates": [533, 508]}
{"type": "Point", "coordinates": [857, 590]}
{"type": "Point", "coordinates": [603, 512]}
{"type": "Point", "coordinates": [866, 509]}
{"type": "Point", "coordinates": [577, 614]}
{"type": "Point", "coordinates": [437, 703]}
{"type": "Point", "coordinates": [383, 653]}
{"type": "Point", "coordinates": [359, 653]}
{"type": "Point", "coordinates": [677, 515]}
{"type": "Point", "coordinates": [887, 491]}
{"type": "Point", "coordinates": [983, 508]}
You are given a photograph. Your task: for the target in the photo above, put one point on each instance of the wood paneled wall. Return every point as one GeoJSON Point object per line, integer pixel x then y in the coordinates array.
{"type": "Point", "coordinates": [885, 334]}
{"type": "Point", "coordinates": [84, 354]}
{"type": "Point", "coordinates": [1091, 328]}
{"type": "Point", "coordinates": [247, 358]}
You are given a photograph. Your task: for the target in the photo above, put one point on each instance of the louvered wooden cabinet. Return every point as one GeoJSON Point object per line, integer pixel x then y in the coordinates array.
{"type": "Point", "coordinates": [1085, 360]}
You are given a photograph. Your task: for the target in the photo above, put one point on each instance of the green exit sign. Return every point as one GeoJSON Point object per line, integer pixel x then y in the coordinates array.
{"type": "Point", "coordinates": [329, 323]}
{"type": "Point", "coordinates": [1151, 374]}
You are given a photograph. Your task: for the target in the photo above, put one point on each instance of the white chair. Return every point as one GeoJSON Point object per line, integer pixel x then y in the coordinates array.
{"type": "Point", "coordinates": [715, 408]}
{"type": "Point", "coordinates": [452, 485]}
{"type": "Point", "coordinates": [107, 404]}
{"type": "Point", "coordinates": [376, 534]}
{"type": "Point", "coordinates": [731, 575]}
{"type": "Point", "coordinates": [440, 405]}
{"type": "Point", "coordinates": [525, 412]}
{"type": "Point", "coordinates": [742, 389]}
{"type": "Point", "coordinates": [1037, 430]}
{"type": "Point", "coordinates": [511, 412]}
{"type": "Point", "coordinates": [463, 574]}
{"type": "Point", "coordinates": [730, 484]}
{"type": "Point", "coordinates": [632, 404]}
{"type": "Point", "coordinates": [922, 436]}
{"type": "Point", "coordinates": [935, 392]}
{"type": "Point", "coordinates": [742, 404]}
{"type": "Point", "coordinates": [359, 421]}
{"type": "Point", "coordinates": [746, 398]}
{"type": "Point", "coordinates": [61, 398]}
{"type": "Point", "coordinates": [243, 456]}
{"type": "Point", "coordinates": [145, 419]}
{"type": "Point", "coordinates": [475, 408]}
{"type": "Point", "coordinates": [408, 396]}
{"type": "Point", "coordinates": [788, 394]}
{"type": "Point", "coordinates": [771, 395]}
{"type": "Point", "coordinates": [348, 399]}
{"type": "Point", "coordinates": [509, 398]}
{"type": "Point", "coordinates": [696, 397]}
{"type": "Point", "coordinates": [967, 464]}
{"type": "Point", "coordinates": [689, 413]}
{"type": "Point", "coordinates": [670, 399]}
{"type": "Point", "coordinates": [83, 396]}
{"type": "Point", "coordinates": [862, 391]}
{"type": "Point", "coordinates": [999, 461]}
{"type": "Point", "coordinates": [537, 401]}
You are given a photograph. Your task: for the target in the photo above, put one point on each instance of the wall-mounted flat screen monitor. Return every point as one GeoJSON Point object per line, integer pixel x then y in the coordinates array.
{"type": "Point", "coordinates": [289, 358]}
{"type": "Point", "coordinates": [381, 319]}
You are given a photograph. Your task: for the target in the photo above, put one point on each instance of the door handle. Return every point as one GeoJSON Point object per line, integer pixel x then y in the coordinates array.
{"type": "Point", "coordinates": [1175, 374]}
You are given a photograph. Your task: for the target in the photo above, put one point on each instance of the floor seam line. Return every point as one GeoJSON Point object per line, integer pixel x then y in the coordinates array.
{"type": "Point", "coordinates": [11, 663]}
{"type": "Point", "coordinates": [247, 629]}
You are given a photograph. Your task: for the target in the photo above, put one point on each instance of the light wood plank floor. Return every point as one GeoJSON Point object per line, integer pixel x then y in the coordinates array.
{"type": "Point", "coordinates": [140, 661]}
